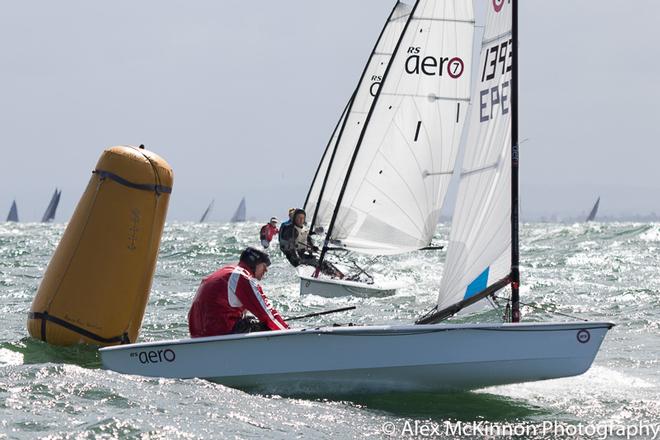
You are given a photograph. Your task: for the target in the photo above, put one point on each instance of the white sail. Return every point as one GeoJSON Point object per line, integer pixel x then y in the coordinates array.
{"type": "Point", "coordinates": [479, 248]}
{"type": "Point", "coordinates": [347, 132]}
{"type": "Point", "coordinates": [408, 150]}
{"type": "Point", "coordinates": [239, 215]}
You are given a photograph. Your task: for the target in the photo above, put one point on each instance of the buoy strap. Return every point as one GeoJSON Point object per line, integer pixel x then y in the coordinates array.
{"type": "Point", "coordinates": [45, 316]}
{"type": "Point", "coordinates": [142, 186]}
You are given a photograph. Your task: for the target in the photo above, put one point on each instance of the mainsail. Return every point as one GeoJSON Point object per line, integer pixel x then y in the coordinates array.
{"type": "Point", "coordinates": [239, 215]}
{"type": "Point", "coordinates": [392, 192]}
{"type": "Point", "coordinates": [479, 255]}
{"type": "Point", "coordinates": [13, 213]}
{"type": "Point", "coordinates": [206, 213]}
{"type": "Point", "coordinates": [594, 211]}
{"type": "Point", "coordinates": [325, 189]}
{"type": "Point", "coordinates": [49, 214]}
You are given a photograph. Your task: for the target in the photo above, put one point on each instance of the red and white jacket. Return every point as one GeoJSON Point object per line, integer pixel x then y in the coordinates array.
{"type": "Point", "coordinates": [226, 296]}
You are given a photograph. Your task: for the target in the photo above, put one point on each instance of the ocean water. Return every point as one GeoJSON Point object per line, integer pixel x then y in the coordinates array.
{"type": "Point", "coordinates": [598, 271]}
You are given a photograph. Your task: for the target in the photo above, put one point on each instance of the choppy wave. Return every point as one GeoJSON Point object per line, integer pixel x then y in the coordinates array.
{"type": "Point", "coordinates": [604, 271]}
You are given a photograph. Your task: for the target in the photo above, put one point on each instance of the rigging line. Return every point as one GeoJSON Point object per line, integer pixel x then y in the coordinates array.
{"type": "Point", "coordinates": [544, 309]}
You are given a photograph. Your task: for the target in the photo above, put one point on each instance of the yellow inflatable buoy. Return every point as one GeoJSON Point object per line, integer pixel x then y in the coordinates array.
{"type": "Point", "coordinates": [96, 286]}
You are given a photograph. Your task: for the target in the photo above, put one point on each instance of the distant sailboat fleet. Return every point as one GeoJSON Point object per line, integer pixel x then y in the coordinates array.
{"type": "Point", "coordinates": [49, 214]}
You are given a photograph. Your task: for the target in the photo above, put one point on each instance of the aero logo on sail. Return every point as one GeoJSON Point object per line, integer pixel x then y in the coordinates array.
{"type": "Point", "coordinates": [432, 66]}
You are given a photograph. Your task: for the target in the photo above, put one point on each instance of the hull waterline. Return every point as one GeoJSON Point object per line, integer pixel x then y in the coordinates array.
{"type": "Point", "coordinates": [373, 359]}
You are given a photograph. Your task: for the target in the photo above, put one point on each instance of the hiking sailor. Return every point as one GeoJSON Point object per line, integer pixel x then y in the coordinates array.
{"type": "Point", "coordinates": [223, 299]}
{"type": "Point", "coordinates": [297, 246]}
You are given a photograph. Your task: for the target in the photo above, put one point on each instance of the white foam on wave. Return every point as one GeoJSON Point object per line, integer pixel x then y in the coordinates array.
{"type": "Point", "coordinates": [8, 357]}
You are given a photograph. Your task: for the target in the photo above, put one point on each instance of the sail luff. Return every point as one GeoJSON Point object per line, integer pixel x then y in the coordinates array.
{"type": "Point", "coordinates": [359, 142]}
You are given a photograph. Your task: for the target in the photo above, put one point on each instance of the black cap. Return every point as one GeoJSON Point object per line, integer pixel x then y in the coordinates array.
{"type": "Point", "coordinates": [253, 256]}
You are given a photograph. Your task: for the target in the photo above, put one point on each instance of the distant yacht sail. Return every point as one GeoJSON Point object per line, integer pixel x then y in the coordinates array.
{"type": "Point", "coordinates": [49, 215]}
{"type": "Point", "coordinates": [13, 213]}
{"type": "Point", "coordinates": [206, 213]}
{"type": "Point", "coordinates": [239, 215]}
{"type": "Point", "coordinates": [594, 211]}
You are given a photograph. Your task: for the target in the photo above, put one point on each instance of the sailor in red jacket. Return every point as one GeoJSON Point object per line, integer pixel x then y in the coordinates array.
{"type": "Point", "coordinates": [268, 231]}
{"type": "Point", "coordinates": [223, 299]}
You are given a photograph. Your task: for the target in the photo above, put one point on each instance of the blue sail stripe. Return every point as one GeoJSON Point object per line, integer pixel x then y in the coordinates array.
{"type": "Point", "coordinates": [479, 284]}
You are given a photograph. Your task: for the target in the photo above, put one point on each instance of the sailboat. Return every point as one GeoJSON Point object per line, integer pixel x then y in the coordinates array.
{"type": "Point", "coordinates": [49, 214]}
{"type": "Point", "coordinates": [13, 213]}
{"type": "Point", "coordinates": [239, 215]}
{"type": "Point", "coordinates": [428, 355]}
{"type": "Point", "coordinates": [385, 173]}
{"type": "Point", "coordinates": [206, 213]}
{"type": "Point", "coordinates": [594, 211]}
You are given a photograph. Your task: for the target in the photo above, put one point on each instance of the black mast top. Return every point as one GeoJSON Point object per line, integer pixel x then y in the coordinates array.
{"type": "Point", "coordinates": [341, 131]}
{"type": "Point", "coordinates": [359, 142]}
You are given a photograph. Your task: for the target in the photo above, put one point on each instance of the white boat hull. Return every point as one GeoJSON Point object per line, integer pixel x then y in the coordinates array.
{"type": "Point", "coordinates": [374, 359]}
{"type": "Point", "coordinates": [332, 287]}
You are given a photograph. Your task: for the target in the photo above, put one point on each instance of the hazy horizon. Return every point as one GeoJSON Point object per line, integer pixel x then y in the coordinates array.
{"type": "Point", "coordinates": [240, 98]}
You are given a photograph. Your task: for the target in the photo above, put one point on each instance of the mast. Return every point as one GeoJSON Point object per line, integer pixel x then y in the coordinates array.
{"type": "Point", "coordinates": [341, 132]}
{"type": "Point", "coordinates": [515, 249]}
{"type": "Point", "coordinates": [359, 142]}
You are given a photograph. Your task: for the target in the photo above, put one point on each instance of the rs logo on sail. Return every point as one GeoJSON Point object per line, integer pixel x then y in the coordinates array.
{"type": "Point", "coordinates": [432, 66]}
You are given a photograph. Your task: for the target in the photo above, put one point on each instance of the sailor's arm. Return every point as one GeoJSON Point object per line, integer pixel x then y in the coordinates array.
{"type": "Point", "coordinates": [253, 299]}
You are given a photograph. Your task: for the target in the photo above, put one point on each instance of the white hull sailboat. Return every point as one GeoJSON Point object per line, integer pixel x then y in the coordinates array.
{"type": "Point", "coordinates": [333, 287]}
{"type": "Point", "coordinates": [373, 359]}
{"type": "Point", "coordinates": [482, 258]}
{"type": "Point", "coordinates": [383, 178]}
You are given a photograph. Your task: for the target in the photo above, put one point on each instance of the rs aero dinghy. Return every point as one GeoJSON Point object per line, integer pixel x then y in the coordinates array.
{"type": "Point", "coordinates": [384, 175]}
{"type": "Point", "coordinates": [482, 259]}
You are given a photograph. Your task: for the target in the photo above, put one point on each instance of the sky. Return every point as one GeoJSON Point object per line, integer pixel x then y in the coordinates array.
{"type": "Point", "coordinates": [240, 98]}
